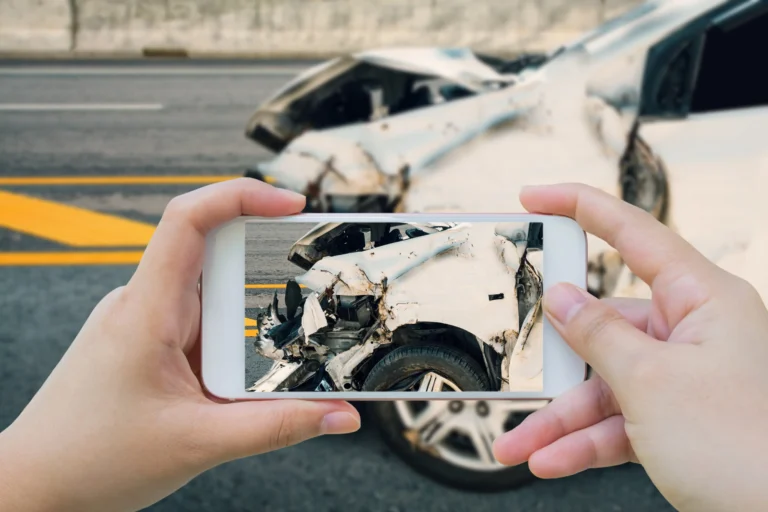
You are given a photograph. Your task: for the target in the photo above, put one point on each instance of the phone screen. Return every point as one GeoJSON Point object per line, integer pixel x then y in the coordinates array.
{"type": "Point", "coordinates": [382, 306]}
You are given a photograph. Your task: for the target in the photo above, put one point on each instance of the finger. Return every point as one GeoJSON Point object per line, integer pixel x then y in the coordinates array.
{"type": "Point", "coordinates": [636, 311]}
{"type": "Point", "coordinates": [585, 405]}
{"type": "Point", "coordinates": [242, 429]}
{"type": "Point", "coordinates": [173, 259]}
{"type": "Point", "coordinates": [598, 446]}
{"type": "Point", "coordinates": [642, 315]}
{"type": "Point", "coordinates": [598, 333]}
{"type": "Point", "coordinates": [194, 355]}
{"type": "Point", "coordinates": [645, 244]}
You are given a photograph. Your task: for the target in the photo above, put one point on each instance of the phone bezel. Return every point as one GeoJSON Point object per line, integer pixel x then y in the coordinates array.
{"type": "Point", "coordinates": [223, 306]}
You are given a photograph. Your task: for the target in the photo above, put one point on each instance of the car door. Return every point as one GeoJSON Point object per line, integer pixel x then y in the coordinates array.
{"type": "Point", "coordinates": [704, 110]}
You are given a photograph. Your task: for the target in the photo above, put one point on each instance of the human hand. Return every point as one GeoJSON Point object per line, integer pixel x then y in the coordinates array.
{"type": "Point", "coordinates": [692, 410]}
{"type": "Point", "coordinates": [123, 420]}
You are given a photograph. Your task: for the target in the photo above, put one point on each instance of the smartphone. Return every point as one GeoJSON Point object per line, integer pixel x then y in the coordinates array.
{"type": "Point", "coordinates": [388, 306]}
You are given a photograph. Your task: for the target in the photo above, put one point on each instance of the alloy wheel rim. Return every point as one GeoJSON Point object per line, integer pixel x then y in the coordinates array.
{"type": "Point", "coordinates": [461, 432]}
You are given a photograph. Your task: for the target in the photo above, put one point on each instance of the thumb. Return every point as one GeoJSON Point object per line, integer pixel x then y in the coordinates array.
{"type": "Point", "coordinates": [597, 332]}
{"type": "Point", "coordinates": [242, 429]}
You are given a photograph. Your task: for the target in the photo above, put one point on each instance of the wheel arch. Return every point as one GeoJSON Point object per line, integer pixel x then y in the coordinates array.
{"type": "Point", "coordinates": [430, 333]}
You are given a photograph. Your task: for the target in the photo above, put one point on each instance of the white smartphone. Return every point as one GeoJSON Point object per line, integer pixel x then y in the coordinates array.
{"type": "Point", "coordinates": [388, 306]}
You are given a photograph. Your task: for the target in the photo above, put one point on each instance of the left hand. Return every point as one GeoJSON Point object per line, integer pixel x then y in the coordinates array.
{"type": "Point", "coordinates": [123, 420]}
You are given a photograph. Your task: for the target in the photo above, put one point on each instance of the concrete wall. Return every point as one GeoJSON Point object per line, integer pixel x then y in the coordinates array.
{"type": "Point", "coordinates": [35, 25]}
{"type": "Point", "coordinates": [307, 27]}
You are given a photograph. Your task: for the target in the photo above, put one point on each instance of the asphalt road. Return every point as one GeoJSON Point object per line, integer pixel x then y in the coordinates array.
{"type": "Point", "coordinates": [196, 130]}
{"type": "Point", "coordinates": [266, 262]}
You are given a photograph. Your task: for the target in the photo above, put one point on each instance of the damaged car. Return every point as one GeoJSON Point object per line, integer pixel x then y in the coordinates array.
{"type": "Point", "coordinates": [361, 89]}
{"type": "Point", "coordinates": [649, 107]}
{"type": "Point", "coordinates": [381, 315]}
{"type": "Point", "coordinates": [664, 107]}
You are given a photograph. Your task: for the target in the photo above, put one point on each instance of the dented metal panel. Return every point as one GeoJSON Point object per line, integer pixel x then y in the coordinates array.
{"type": "Point", "coordinates": [455, 288]}
{"type": "Point", "coordinates": [371, 272]}
{"type": "Point", "coordinates": [340, 367]}
{"type": "Point", "coordinates": [392, 72]}
{"type": "Point", "coordinates": [459, 65]}
{"type": "Point", "coordinates": [381, 157]}
{"type": "Point", "coordinates": [313, 319]}
{"type": "Point", "coordinates": [524, 366]}
{"type": "Point", "coordinates": [280, 371]}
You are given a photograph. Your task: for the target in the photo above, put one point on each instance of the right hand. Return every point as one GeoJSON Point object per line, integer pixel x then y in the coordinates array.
{"type": "Point", "coordinates": [682, 378]}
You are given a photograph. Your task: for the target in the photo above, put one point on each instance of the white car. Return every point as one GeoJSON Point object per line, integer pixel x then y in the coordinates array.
{"type": "Point", "coordinates": [666, 107]}
{"type": "Point", "coordinates": [412, 306]}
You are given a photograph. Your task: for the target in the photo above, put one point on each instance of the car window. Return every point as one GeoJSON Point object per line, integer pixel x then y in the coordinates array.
{"type": "Point", "coordinates": [673, 93]}
{"type": "Point", "coordinates": [731, 68]}
{"type": "Point", "coordinates": [536, 236]}
{"type": "Point", "coordinates": [712, 63]}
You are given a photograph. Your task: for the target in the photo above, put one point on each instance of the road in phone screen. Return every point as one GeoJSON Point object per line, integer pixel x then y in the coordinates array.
{"type": "Point", "coordinates": [419, 306]}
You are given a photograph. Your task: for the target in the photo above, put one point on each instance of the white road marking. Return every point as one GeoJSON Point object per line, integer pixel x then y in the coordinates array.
{"type": "Point", "coordinates": [80, 107]}
{"type": "Point", "coordinates": [147, 71]}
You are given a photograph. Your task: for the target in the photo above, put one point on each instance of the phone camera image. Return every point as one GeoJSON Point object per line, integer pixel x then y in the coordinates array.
{"type": "Point", "coordinates": [377, 306]}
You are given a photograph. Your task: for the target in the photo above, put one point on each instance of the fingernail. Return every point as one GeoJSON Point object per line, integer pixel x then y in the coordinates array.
{"type": "Point", "coordinates": [563, 301]}
{"type": "Point", "coordinates": [339, 423]}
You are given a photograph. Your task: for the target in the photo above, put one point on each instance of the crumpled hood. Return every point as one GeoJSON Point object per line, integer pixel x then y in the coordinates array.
{"type": "Point", "coordinates": [277, 121]}
{"type": "Point", "coordinates": [369, 272]}
{"type": "Point", "coordinates": [610, 63]}
{"type": "Point", "coordinates": [459, 65]}
{"type": "Point", "coordinates": [380, 157]}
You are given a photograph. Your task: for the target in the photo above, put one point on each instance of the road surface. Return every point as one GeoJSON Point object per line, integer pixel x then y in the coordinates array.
{"type": "Point", "coordinates": [117, 119]}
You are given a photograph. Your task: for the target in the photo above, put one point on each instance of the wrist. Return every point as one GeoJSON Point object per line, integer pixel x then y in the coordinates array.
{"type": "Point", "coordinates": [25, 483]}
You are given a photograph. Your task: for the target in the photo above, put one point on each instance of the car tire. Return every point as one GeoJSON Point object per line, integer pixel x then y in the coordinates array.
{"type": "Point", "coordinates": [450, 363]}
{"type": "Point", "coordinates": [436, 462]}
{"type": "Point", "coordinates": [396, 436]}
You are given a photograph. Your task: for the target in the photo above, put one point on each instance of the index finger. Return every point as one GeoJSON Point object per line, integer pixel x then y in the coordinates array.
{"type": "Point", "coordinates": [645, 244]}
{"type": "Point", "coordinates": [173, 259]}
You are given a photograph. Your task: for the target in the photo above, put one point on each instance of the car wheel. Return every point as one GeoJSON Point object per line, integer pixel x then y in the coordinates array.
{"type": "Point", "coordinates": [427, 368]}
{"type": "Point", "coordinates": [450, 441]}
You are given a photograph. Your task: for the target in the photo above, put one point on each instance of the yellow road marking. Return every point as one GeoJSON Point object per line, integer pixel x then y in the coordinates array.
{"type": "Point", "coordinates": [112, 180]}
{"type": "Point", "coordinates": [70, 225]}
{"type": "Point", "coordinates": [14, 259]}
{"type": "Point", "coordinates": [24, 259]}
{"type": "Point", "coordinates": [250, 322]}
{"type": "Point", "coordinates": [251, 333]}
{"type": "Point", "coordinates": [268, 286]}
